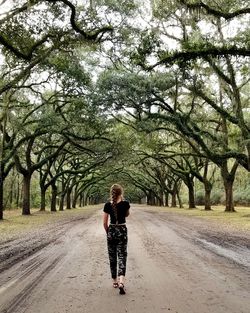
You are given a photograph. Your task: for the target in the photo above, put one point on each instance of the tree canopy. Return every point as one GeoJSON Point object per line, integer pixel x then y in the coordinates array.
{"type": "Point", "coordinates": [153, 95]}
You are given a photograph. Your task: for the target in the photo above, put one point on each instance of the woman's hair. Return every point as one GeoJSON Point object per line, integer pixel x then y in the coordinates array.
{"type": "Point", "coordinates": [115, 191]}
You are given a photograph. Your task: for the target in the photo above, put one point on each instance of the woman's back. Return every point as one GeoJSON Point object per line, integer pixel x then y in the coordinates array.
{"type": "Point", "coordinates": [122, 208]}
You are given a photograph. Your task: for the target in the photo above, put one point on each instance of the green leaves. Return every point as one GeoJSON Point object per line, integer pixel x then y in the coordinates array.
{"type": "Point", "coordinates": [70, 67]}
{"type": "Point", "coordinates": [123, 7]}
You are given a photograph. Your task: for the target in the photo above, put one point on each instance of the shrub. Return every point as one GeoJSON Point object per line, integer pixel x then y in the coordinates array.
{"type": "Point", "coordinates": [242, 197]}
{"type": "Point", "coordinates": [217, 196]}
{"type": "Point", "coordinates": [200, 197]}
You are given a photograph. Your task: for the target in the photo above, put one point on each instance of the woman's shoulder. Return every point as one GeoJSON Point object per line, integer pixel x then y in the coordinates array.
{"type": "Point", "coordinates": [107, 206]}
{"type": "Point", "coordinates": [126, 203]}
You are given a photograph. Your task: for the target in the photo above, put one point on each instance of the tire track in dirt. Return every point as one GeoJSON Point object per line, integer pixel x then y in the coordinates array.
{"type": "Point", "coordinates": [233, 248]}
{"type": "Point", "coordinates": [21, 297]}
{"type": "Point", "coordinates": [25, 271]}
{"type": "Point", "coordinates": [17, 249]}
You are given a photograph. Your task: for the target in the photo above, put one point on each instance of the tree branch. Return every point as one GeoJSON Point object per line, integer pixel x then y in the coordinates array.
{"type": "Point", "coordinates": [88, 36]}
{"type": "Point", "coordinates": [184, 56]}
{"type": "Point", "coordinates": [201, 5]}
{"type": "Point", "coordinates": [25, 72]}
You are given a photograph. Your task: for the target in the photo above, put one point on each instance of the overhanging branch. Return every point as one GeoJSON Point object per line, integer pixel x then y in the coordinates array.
{"type": "Point", "coordinates": [212, 11]}
{"type": "Point", "coordinates": [92, 36]}
{"type": "Point", "coordinates": [185, 56]}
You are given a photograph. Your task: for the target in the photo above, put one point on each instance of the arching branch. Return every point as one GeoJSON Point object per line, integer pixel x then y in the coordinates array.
{"type": "Point", "coordinates": [93, 36]}
{"type": "Point", "coordinates": [19, 53]}
{"type": "Point", "coordinates": [212, 11]}
{"type": "Point", "coordinates": [184, 56]}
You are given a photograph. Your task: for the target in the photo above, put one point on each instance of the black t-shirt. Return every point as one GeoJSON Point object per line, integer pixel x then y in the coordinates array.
{"type": "Point", "coordinates": [122, 209]}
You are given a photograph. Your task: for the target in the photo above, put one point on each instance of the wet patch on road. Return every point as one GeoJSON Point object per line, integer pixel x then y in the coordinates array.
{"type": "Point", "coordinates": [236, 254]}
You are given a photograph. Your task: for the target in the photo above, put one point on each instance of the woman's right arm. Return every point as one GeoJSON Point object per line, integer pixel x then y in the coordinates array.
{"type": "Point", "coordinates": [105, 221]}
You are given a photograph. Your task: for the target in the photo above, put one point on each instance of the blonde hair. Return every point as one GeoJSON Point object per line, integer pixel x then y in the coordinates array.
{"type": "Point", "coordinates": [116, 190]}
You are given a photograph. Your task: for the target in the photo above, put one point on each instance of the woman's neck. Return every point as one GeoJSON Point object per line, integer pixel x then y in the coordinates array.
{"type": "Point", "coordinates": [119, 199]}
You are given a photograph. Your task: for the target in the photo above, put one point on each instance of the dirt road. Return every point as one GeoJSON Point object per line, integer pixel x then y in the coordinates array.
{"type": "Point", "coordinates": [175, 264]}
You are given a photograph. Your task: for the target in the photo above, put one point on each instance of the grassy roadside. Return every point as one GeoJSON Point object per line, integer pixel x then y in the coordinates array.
{"type": "Point", "coordinates": [15, 224]}
{"type": "Point", "coordinates": [239, 220]}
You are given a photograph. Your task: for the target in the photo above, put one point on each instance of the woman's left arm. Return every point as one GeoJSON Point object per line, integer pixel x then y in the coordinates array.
{"type": "Point", "coordinates": [127, 212]}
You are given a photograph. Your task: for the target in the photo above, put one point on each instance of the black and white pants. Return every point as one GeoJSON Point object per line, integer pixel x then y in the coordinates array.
{"type": "Point", "coordinates": [117, 239]}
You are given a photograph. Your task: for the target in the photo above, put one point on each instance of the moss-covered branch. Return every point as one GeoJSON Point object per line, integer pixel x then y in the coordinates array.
{"type": "Point", "coordinates": [185, 56]}
{"type": "Point", "coordinates": [209, 10]}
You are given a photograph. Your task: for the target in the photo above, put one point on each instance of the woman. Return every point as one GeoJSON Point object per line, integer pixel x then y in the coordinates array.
{"type": "Point", "coordinates": [117, 209]}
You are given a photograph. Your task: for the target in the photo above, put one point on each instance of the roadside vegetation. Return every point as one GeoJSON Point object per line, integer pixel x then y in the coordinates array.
{"type": "Point", "coordinates": [239, 221]}
{"type": "Point", "coordinates": [15, 225]}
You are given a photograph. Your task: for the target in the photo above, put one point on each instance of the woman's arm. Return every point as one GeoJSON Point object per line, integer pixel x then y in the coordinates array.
{"type": "Point", "coordinates": [128, 207]}
{"type": "Point", "coordinates": [105, 221]}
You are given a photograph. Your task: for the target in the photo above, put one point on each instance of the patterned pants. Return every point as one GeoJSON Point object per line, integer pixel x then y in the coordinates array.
{"type": "Point", "coordinates": [117, 239]}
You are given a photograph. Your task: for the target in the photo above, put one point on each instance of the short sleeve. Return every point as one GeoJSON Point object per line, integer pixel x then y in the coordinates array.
{"type": "Point", "coordinates": [106, 208]}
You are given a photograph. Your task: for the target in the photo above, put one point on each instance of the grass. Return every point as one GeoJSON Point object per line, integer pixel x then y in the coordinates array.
{"type": "Point", "coordinates": [15, 224]}
{"type": "Point", "coordinates": [238, 220]}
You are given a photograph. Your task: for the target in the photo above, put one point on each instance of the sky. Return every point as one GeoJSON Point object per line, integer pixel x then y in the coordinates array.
{"type": "Point", "coordinates": [5, 6]}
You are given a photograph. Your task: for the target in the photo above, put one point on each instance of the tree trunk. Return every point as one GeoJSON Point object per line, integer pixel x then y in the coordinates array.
{"type": "Point", "coordinates": [158, 201]}
{"type": "Point", "coordinates": [148, 198]}
{"type": "Point", "coordinates": [74, 202]}
{"type": "Point", "coordinates": [151, 198]}
{"type": "Point", "coordinates": [75, 196]}
{"type": "Point", "coordinates": [173, 199]}
{"type": "Point", "coordinates": [179, 200]}
{"type": "Point", "coordinates": [89, 200]}
{"type": "Point", "coordinates": [43, 195]}
{"type": "Point", "coordinates": [18, 192]}
{"type": "Point", "coordinates": [26, 194]}
{"type": "Point", "coordinates": [61, 201]}
{"type": "Point", "coordinates": [12, 186]}
{"type": "Point", "coordinates": [208, 189]}
{"type": "Point", "coordinates": [228, 180]}
{"type": "Point", "coordinates": [174, 194]}
{"type": "Point", "coordinates": [191, 197]}
{"type": "Point", "coordinates": [68, 199]}
{"type": "Point", "coordinates": [53, 198]}
{"type": "Point", "coordinates": [161, 198]}
{"type": "Point", "coordinates": [84, 199]}
{"type": "Point", "coordinates": [166, 199]}
{"type": "Point", "coordinates": [80, 201]}
{"type": "Point", "coordinates": [228, 185]}
{"type": "Point", "coordinates": [1, 197]}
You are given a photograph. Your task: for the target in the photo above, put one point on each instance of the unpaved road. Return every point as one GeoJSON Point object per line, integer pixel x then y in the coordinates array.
{"type": "Point", "coordinates": [175, 264]}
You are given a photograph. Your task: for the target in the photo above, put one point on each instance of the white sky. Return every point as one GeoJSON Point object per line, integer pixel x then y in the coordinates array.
{"type": "Point", "coordinates": [5, 6]}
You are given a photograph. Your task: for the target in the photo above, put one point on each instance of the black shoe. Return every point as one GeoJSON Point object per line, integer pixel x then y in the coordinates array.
{"type": "Point", "coordinates": [122, 290]}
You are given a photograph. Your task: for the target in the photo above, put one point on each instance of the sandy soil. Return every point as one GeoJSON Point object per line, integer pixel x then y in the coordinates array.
{"type": "Point", "coordinates": [175, 264]}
